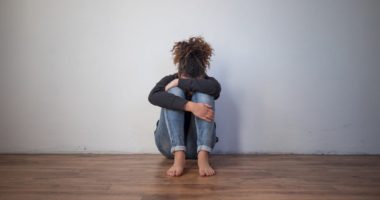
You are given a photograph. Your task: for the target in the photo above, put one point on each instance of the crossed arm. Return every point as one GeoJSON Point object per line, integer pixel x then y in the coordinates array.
{"type": "Point", "coordinates": [160, 97]}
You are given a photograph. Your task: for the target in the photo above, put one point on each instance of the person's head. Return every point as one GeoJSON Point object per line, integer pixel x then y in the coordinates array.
{"type": "Point", "coordinates": [192, 57]}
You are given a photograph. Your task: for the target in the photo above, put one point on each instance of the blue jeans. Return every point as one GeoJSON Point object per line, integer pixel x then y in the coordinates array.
{"type": "Point", "coordinates": [170, 134]}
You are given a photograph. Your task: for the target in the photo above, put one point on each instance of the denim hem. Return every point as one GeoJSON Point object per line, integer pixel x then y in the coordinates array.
{"type": "Point", "coordinates": [177, 148]}
{"type": "Point", "coordinates": [204, 148]}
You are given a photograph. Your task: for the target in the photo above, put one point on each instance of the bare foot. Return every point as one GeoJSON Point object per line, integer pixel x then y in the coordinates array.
{"type": "Point", "coordinates": [178, 165]}
{"type": "Point", "coordinates": [204, 167]}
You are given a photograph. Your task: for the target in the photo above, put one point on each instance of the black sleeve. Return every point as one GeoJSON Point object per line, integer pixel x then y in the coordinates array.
{"type": "Point", "coordinates": [208, 85]}
{"type": "Point", "coordinates": [159, 97]}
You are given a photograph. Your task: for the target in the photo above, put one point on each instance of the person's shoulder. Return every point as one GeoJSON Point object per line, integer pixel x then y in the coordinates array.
{"type": "Point", "coordinates": [173, 75]}
{"type": "Point", "coordinates": [209, 77]}
{"type": "Point", "coordinates": [168, 77]}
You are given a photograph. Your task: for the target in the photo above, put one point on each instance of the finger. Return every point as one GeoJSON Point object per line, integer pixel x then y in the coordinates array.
{"type": "Point", "coordinates": [206, 118]}
{"type": "Point", "coordinates": [210, 114]}
{"type": "Point", "coordinates": [208, 106]}
{"type": "Point", "coordinates": [209, 118]}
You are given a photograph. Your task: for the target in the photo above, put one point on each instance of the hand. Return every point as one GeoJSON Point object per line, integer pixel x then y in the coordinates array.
{"type": "Point", "coordinates": [173, 83]}
{"type": "Point", "coordinates": [201, 110]}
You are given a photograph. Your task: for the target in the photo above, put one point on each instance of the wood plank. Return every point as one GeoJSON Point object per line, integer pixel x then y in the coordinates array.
{"type": "Point", "coordinates": [92, 176]}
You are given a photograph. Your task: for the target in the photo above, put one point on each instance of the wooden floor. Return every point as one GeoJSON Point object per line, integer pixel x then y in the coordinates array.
{"type": "Point", "coordinates": [129, 177]}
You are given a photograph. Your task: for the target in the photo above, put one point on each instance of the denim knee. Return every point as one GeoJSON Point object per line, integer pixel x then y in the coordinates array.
{"type": "Point", "coordinates": [177, 91]}
{"type": "Point", "coordinates": [202, 98]}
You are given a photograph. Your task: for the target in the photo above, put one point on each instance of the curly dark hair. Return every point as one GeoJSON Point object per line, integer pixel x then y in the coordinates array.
{"type": "Point", "coordinates": [192, 56]}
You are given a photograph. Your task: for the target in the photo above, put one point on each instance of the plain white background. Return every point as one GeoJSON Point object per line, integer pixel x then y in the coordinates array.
{"type": "Point", "coordinates": [296, 76]}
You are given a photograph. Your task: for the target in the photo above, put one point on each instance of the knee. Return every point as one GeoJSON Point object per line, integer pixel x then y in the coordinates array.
{"type": "Point", "coordinates": [177, 91]}
{"type": "Point", "coordinates": [203, 98]}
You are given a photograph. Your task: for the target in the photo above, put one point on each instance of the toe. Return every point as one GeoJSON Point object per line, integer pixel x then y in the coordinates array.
{"type": "Point", "coordinates": [170, 172]}
{"type": "Point", "coordinates": [209, 172]}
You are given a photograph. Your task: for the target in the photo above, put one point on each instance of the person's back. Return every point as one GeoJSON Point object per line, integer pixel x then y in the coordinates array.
{"type": "Point", "coordinates": [186, 128]}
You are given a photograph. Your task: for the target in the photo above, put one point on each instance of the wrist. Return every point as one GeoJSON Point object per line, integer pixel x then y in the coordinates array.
{"type": "Point", "coordinates": [189, 106]}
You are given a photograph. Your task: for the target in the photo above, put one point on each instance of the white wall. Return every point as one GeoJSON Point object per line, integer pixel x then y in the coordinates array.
{"type": "Point", "coordinates": [297, 76]}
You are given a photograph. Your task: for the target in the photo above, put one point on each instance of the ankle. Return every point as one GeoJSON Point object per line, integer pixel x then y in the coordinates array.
{"type": "Point", "coordinates": [179, 155]}
{"type": "Point", "coordinates": [203, 154]}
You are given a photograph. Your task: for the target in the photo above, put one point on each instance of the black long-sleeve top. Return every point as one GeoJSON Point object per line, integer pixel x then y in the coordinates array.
{"type": "Point", "coordinates": [159, 97]}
